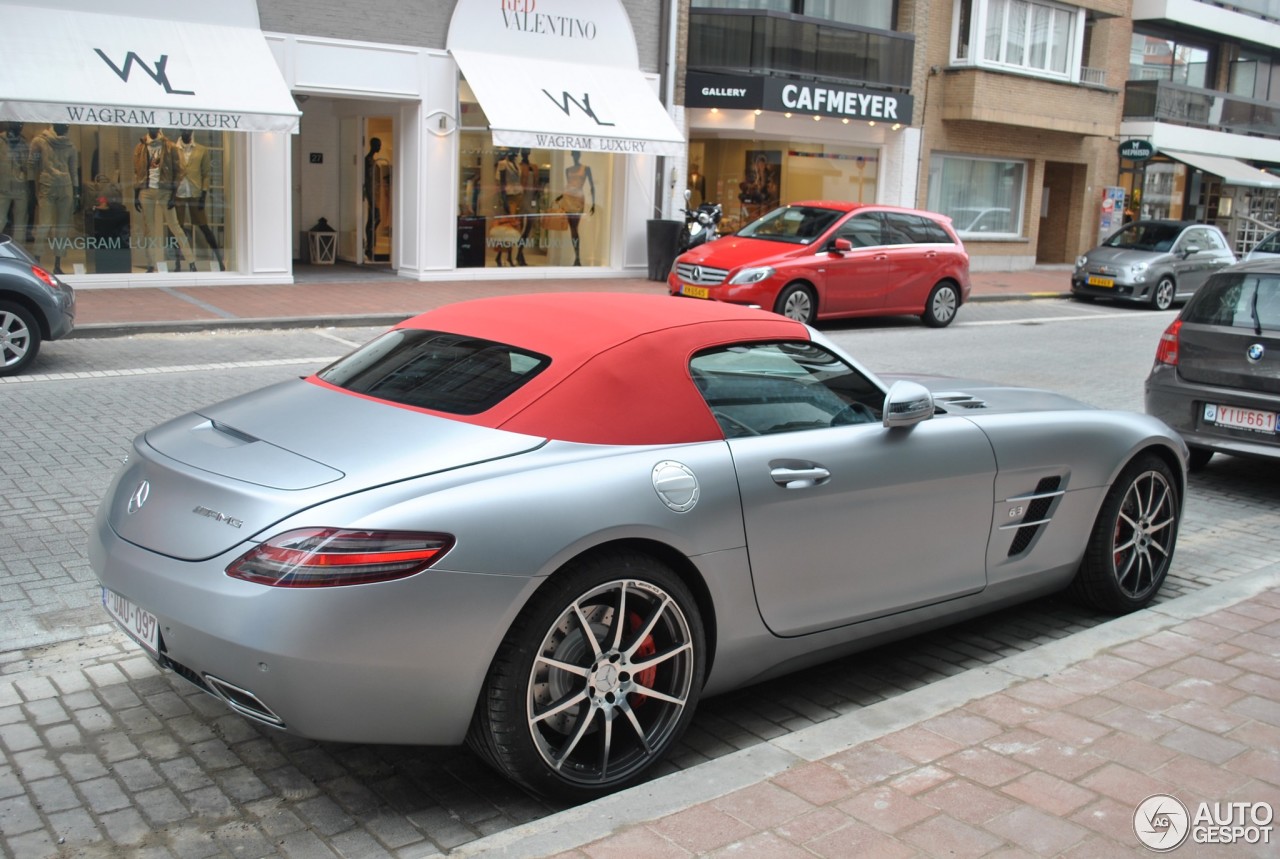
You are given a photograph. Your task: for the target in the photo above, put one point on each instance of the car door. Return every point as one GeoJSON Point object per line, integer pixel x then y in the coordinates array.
{"type": "Point", "coordinates": [918, 252]}
{"type": "Point", "coordinates": [1193, 259]}
{"type": "Point", "coordinates": [855, 280]}
{"type": "Point", "coordinates": [845, 520]}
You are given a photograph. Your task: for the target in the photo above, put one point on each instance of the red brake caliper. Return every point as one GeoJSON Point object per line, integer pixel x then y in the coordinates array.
{"type": "Point", "coordinates": [647, 648]}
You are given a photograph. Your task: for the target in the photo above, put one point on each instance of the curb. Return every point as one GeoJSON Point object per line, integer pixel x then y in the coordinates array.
{"type": "Point", "coordinates": [103, 330]}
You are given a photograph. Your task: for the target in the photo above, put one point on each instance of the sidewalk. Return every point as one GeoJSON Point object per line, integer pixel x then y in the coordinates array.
{"type": "Point", "coordinates": [322, 297]}
{"type": "Point", "coordinates": [1048, 753]}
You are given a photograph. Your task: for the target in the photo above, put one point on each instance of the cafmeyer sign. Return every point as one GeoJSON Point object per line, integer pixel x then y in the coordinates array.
{"type": "Point", "coordinates": [794, 96]}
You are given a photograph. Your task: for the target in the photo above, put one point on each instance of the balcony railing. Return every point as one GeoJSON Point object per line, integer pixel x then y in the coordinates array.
{"type": "Point", "coordinates": [1261, 8]}
{"type": "Point", "coordinates": [752, 42]}
{"type": "Point", "coordinates": [1164, 101]}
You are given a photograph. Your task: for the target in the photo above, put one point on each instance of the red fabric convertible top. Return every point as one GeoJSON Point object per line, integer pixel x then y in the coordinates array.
{"type": "Point", "coordinates": [619, 371]}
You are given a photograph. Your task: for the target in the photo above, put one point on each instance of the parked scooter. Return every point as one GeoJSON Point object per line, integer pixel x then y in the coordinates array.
{"type": "Point", "coordinates": [700, 225]}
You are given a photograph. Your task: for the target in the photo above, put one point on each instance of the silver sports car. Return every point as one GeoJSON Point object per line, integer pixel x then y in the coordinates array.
{"type": "Point", "coordinates": [547, 524]}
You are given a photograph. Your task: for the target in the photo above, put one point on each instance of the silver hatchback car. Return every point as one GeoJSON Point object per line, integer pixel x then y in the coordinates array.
{"type": "Point", "coordinates": [1151, 262]}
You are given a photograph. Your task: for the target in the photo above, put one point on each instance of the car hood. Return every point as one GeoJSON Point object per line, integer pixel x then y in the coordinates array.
{"type": "Point", "coordinates": [202, 483]}
{"type": "Point", "coordinates": [1121, 257]}
{"type": "Point", "coordinates": [732, 252]}
{"type": "Point", "coordinates": [972, 398]}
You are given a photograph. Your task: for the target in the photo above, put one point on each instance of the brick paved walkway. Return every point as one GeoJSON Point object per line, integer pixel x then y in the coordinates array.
{"type": "Point", "coordinates": [1048, 753]}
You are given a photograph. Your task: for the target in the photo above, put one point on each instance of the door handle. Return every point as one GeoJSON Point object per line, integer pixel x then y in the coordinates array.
{"type": "Point", "coordinates": [799, 478]}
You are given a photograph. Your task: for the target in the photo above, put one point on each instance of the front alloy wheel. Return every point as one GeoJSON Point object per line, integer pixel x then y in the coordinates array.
{"type": "Point", "coordinates": [1131, 547]}
{"type": "Point", "coordinates": [1163, 295]}
{"type": "Point", "coordinates": [19, 338]}
{"type": "Point", "coordinates": [797, 302]}
{"type": "Point", "coordinates": [595, 681]}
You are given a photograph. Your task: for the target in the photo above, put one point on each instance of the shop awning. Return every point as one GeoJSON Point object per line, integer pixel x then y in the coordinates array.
{"type": "Point", "coordinates": [545, 104]}
{"type": "Point", "coordinates": [95, 66]}
{"type": "Point", "coordinates": [1233, 172]}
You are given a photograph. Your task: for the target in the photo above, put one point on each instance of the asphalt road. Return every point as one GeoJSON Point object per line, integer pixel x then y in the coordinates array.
{"type": "Point", "coordinates": [68, 426]}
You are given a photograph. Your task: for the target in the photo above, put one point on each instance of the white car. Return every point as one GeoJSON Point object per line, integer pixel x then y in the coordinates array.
{"type": "Point", "coordinates": [1268, 246]}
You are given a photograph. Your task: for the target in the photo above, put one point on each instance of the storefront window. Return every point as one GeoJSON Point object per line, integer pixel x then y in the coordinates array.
{"type": "Point", "coordinates": [529, 207]}
{"type": "Point", "coordinates": [752, 177]}
{"type": "Point", "coordinates": [982, 196]}
{"type": "Point", "coordinates": [90, 199]}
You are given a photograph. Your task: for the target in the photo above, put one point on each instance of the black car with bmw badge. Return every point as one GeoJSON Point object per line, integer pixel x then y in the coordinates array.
{"type": "Point", "coordinates": [1216, 378]}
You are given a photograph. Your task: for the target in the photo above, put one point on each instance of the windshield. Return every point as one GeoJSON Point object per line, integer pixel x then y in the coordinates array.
{"type": "Point", "coordinates": [1145, 236]}
{"type": "Point", "coordinates": [794, 224]}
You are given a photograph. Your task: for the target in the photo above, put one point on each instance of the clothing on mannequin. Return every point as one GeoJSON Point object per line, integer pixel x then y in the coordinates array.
{"type": "Point", "coordinates": [529, 181]}
{"type": "Point", "coordinates": [373, 217]}
{"type": "Point", "coordinates": [15, 180]}
{"type": "Point", "coordinates": [55, 166]}
{"type": "Point", "coordinates": [577, 177]}
{"type": "Point", "coordinates": [193, 186]}
{"type": "Point", "coordinates": [157, 168]}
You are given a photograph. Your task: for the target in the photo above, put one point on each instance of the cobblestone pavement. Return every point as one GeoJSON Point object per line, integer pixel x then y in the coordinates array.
{"type": "Point", "coordinates": [104, 755]}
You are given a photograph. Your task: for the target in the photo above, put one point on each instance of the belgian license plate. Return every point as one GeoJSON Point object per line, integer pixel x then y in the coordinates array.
{"type": "Point", "coordinates": [138, 622]}
{"type": "Point", "coordinates": [695, 291]}
{"type": "Point", "coordinates": [1107, 282]}
{"type": "Point", "coordinates": [1238, 418]}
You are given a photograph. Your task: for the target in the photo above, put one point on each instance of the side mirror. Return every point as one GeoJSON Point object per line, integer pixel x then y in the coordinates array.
{"type": "Point", "coordinates": [687, 194]}
{"type": "Point", "coordinates": [1190, 249]}
{"type": "Point", "coordinates": [840, 246]}
{"type": "Point", "coordinates": [907, 404]}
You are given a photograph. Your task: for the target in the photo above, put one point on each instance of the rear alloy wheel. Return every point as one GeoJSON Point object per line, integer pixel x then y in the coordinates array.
{"type": "Point", "coordinates": [1131, 546]}
{"type": "Point", "coordinates": [597, 679]}
{"type": "Point", "coordinates": [941, 307]}
{"type": "Point", "coordinates": [19, 338]}
{"type": "Point", "coordinates": [797, 301]}
{"type": "Point", "coordinates": [1162, 296]}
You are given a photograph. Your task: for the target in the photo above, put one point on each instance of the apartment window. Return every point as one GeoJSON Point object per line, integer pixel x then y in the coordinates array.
{"type": "Point", "coordinates": [982, 196]}
{"type": "Point", "coordinates": [1026, 35]}
{"type": "Point", "coordinates": [1156, 58]}
{"type": "Point", "coordinates": [1255, 74]}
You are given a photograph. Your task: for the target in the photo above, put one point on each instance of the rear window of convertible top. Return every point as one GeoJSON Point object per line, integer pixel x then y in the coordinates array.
{"type": "Point", "coordinates": [435, 370]}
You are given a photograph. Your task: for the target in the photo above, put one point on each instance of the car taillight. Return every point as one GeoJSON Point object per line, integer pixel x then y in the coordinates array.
{"type": "Point", "coordinates": [333, 557]}
{"type": "Point", "coordinates": [1167, 351]}
{"type": "Point", "coordinates": [46, 277]}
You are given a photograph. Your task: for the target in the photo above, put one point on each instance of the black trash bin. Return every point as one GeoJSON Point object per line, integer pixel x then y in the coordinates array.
{"type": "Point", "coordinates": [662, 247]}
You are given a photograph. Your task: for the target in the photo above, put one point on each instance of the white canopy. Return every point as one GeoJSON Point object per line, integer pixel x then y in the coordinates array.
{"type": "Point", "coordinates": [110, 63]}
{"type": "Point", "coordinates": [1233, 172]}
{"type": "Point", "coordinates": [546, 104]}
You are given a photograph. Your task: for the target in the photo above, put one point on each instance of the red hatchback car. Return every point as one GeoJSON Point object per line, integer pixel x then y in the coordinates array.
{"type": "Point", "coordinates": [830, 259]}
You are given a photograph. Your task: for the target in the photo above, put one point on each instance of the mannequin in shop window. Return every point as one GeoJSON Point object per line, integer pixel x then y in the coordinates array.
{"type": "Point", "coordinates": [55, 165]}
{"type": "Point", "coordinates": [529, 201]}
{"type": "Point", "coordinates": [156, 170]}
{"type": "Point", "coordinates": [15, 182]}
{"type": "Point", "coordinates": [373, 217]}
{"type": "Point", "coordinates": [697, 185]}
{"type": "Point", "coordinates": [577, 178]}
{"type": "Point", "coordinates": [193, 187]}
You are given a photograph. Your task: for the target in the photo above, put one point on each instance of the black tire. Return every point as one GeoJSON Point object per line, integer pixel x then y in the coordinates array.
{"type": "Point", "coordinates": [19, 338]}
{"type": "Point", "coordinates": [583, 698]}
{"type": "Point", "coordinates": [942, 305]}
{"type": "Point", "coordinates": [1164, 292]}
{"type": "Point", "coordinates": [1131, 545]}
{"type": "Point", "coordinates": [1200, 457]}
{"type": "Point", "coordinates": [797, 301]}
